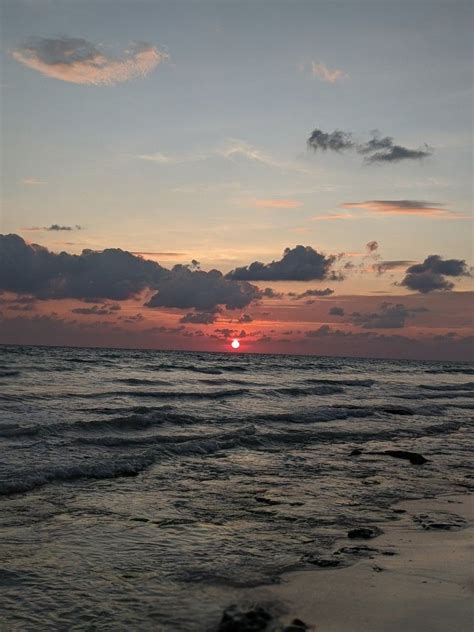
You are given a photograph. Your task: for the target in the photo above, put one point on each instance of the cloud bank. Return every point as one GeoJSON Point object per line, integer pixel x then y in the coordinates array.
{"type": "Point", "coordinates": [403, 207]}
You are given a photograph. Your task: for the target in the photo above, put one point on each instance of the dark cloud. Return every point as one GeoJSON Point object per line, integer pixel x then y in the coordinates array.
{"type": "Point", "coordinates": [115, 274]}
{"type": "Point", "coordinates": [372, 246]}
{"type": "Point", "coordinates": [419, 208]}
{"type": "Point", "coordinates": [185, 288]}
{"type": "Point", "coordinates": [337, 311]}
{"type": "Point", "coordinates": [245, 318]}
{"type": "Point", "coordinates": [431, 274]}
{"type": "Point", "coordinates": [390, 316]}
{"type": "Point", "coordinates": [97, 310]}
{"type": "Point", "coordinates": [308, 293]}
{"type": "Point", "coordinates": [376, 150]}
{"type": "Point", "coordinates": [301, 263]}
{"type": "Point", "coordinates": [112, 273]}
{"type": "Point", "coordinates": [199, 318]}
{"type": "Point", "coordinates": [334, 141]}
{"type": "Point", "coordinates": [385, 266]}
{"type": "Point", "coordinates": [58, 227]}
{"type": "Point", "coordinates": [379, 149]}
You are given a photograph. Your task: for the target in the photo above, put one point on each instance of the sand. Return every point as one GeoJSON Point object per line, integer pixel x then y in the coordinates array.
{"type": "Point", "coordinates": [427, 586]}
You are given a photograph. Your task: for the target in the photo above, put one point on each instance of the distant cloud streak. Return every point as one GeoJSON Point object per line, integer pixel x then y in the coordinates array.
{"type": "Point", "coordinates": [322, 72]}
{"type": "Point", "coordinates": [404, 207]}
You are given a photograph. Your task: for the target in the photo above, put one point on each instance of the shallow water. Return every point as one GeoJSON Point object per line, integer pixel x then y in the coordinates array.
{"type": "Point", "coordinates": [144, 490]}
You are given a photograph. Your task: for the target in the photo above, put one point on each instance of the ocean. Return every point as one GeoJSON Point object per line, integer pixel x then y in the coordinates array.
{"type": "Point", "coordinates": [148, 490]}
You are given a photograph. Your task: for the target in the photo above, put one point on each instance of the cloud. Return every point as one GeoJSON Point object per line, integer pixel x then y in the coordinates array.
{"type": "Point", "coordinates": [76, 60]}
{"type": "Point", "coordinates": [331, 217]}
{"type": "Point", "coordinates": [385, 266]}
{"type": "Point", "coordinates": [301, 263]}
{"type": "Point", "coordinates": [403, 207]}
{"type": "Point", "coordinates": [112, 273]}
{"type": "Point", "coordinates": [97, 310]}
{"type": "Point", "coordinates": [158, 254]}
{"type": "Point", "coordinates": [379, 149]}
{"type": "Point", "coordinates": [308, 293]}
{"type": "Point", "coordinates": [185, 288]}
{"type": "Point", "coordinates": [116, 274]}
{"type": "Point", "coordinates": [372, 246]}
{"type": "Point", "coordinates": [390, 316]}
{"type": "Point", "coordinates": [322, 72]}
{"type": "Point", "coordinates": [337, 311]}
{"type": "Point", "coordinates": [375, 150]}
{"type": "Point", "coordinates": [53, 227]}
{"type": "Point", "coordinates": [199, 318]}
{"type": "Point", "coordinates": [431, 274]}
{"type": "Point", "coordinates": [276, 203]}
{"type": "Point", "coordinates": [334, 141]}
{"type": "Point", "coordinates": [245, 318]}
{"type": "Point", "coordinates": [32, 182]}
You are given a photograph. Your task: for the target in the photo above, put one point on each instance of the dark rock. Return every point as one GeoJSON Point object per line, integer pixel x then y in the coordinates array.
{"type": "Point", "coordinates": [355, 452]}
{"type": "Point", "coordinates": [238, 619]}
{"type": "Point", "coordinates": [442, 521]}
{"type": "Point", "coordinates": [399, 511]}
{"type": "Point", "coordinates": [357, 551]}
{"type": "Point", "coordinates": [324, 562]}
{"type": "Point", "coordinates": [413, 457]}
{"type": "Point", "coordinates": [377, 569]}
{"type": "Point", "coordinates": [140, 519]}
{"type": "Point", "coordinates": [365, 533]}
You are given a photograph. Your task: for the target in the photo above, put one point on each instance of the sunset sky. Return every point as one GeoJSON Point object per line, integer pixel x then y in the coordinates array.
{"type": "Point", "coordinates": [329, 141]}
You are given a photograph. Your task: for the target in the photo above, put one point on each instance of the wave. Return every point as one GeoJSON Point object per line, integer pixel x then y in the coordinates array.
{"type": "Point", "coordinates": [462, 370]}
{"type": "Point", "coordinates": [296, 391]}
{"type": "Point", "coordinates": [9, 373]}
{"type": "Point", "coordinates": [439, 395]}
{"type": "Point", "coordinates": [141, 381]}
{"type": "Point", "coordinates": [363, 383]}
{"type": "Point", "coordinates": [469, 386]}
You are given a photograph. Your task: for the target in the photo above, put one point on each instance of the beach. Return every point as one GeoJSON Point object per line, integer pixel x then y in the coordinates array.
{"type": "Point", "coordinates": [415, 578]}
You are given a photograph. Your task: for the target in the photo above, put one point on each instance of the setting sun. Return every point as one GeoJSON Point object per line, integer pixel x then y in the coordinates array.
{"type": "Point", "coordinates": [235, 344]}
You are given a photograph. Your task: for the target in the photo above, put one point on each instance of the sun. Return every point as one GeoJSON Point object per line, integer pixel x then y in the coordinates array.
{"type": "Point", "coordinates": [235, 344]}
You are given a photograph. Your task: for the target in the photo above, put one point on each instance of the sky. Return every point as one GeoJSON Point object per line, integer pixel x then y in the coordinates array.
{"type": "Point", "coordinates": [317, 154]}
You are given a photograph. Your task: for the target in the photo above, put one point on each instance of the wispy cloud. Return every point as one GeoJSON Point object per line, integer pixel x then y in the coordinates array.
{"type": "Point", "coordinates": [177, 159]}
{"type": "Point", "coordinates": [76, 60]}
{"type": "Point", "coordinates": [276, 203]}
{"type": "Point", "coordinates": [404, 207]}
{"type": "Point", "coordinates": [32, 182]}
{"type": "Point", "coordinates": [322, 72]}
{"type": "Point", "coordinates": [332, 217]}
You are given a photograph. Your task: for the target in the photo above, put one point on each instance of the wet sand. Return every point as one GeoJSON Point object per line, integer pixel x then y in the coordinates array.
{"type": "Point", "coordinates": [424, 584]}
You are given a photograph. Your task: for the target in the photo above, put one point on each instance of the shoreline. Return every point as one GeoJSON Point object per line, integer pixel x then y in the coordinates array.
{"type": "Point", "coordinates": [416, 575]}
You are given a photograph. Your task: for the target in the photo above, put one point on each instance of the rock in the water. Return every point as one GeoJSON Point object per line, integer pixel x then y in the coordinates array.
{"type": "Point", "coordinates": [365, 533]}
{"type": "Point", "coordinates": [324, 562]}
{"type": "Point", "coordinates": [440, 520]}
{"type": "Point", "coordinates": [355, 452]}
{"type": "Point", "coordinates": [413, 457]}
{"type": "Point", "coordinates": [238, 619]}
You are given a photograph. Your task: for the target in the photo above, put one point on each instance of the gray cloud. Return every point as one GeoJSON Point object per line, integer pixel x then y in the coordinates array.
{"type": "Point", "coordinates": [199, 318]}
{"type": "Point", "coordinates": [337, 311]}
{"type": "Point", "coordinates": [308, 293]}
{"type": "Point", "coordinates": [385, 266]}
{"type": "Point", "coordinates": [301, 263]}
{"type": "Point", "coordinates": [431, 274]}
{"type": "Point", "coordinates": [390, 316]}
{"type": "Point", "coordinates": [372, 246]}
{"type": "Point", "coordinates": [245, 318]}
{"type": "Point", "coordinates": [333, 141]}
{"type": "Point", "coordinates": [117, 275]}
{"type": "Point", "coordinates": [376, 150]}
{"type": "Point", "coordinates": [185, 288]}
{"type": "Point", "coordinates": [97, 310]}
